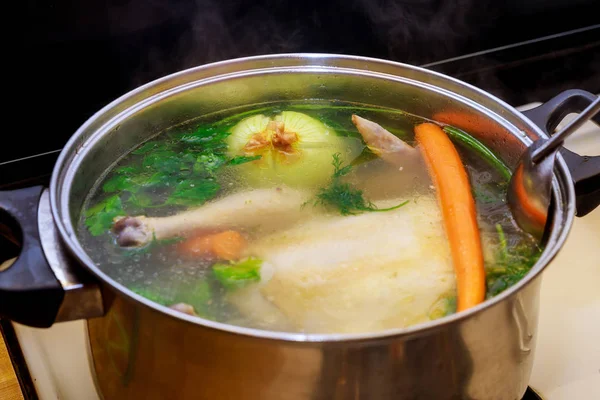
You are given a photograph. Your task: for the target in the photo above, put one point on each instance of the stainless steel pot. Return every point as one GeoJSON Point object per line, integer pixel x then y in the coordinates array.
{"type": "Point", "coordinates": [143, 350]}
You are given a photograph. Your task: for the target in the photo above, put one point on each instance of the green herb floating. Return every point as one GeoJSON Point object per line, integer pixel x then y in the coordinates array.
{"type": "Point", "coordinates": [343, 196]}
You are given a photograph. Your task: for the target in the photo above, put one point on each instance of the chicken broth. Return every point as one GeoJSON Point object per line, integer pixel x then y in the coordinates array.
{"type": "Point", "coordinates": [305, 216]}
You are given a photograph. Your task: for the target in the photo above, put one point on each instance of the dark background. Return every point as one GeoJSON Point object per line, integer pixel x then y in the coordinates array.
{"type": "Point", "coordinates": [79, 56]}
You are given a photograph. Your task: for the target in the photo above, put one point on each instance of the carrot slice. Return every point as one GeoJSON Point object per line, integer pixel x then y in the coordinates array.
{"type": "Point", "coordinates": [458, 210]}
{"type": "Point", "coordinates": [199, 246]}
{"type": "Point", "coordinates": [226, 245]}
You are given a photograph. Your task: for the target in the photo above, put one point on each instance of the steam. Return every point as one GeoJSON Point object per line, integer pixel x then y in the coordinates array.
{"type": "Point", "coordinates": [419, 31]}
{"type": "Point", "coordinates": [409, 31]}
{"type": "Point", "coordinates": [220, 30]}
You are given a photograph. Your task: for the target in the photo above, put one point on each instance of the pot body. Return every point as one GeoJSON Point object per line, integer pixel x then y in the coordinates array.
{"type": "Point", "coordinates": [143, 350]}
{"type": "Point", "coordinates": [142, 353]}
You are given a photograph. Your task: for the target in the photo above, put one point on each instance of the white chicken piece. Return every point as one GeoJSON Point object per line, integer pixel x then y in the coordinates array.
{"type": "Point", "coordinates": [410, 170]}
{"type": "Point", "coordinates": [260, 206]}
{"type": "Point", "coordinates": [324, 273]}
{"type": "Point", "coordinates": [385, 144]}
{"type": "Point", "coordinates": [247, 209]}
{"type": "Point", "coordinates": [352, 274]}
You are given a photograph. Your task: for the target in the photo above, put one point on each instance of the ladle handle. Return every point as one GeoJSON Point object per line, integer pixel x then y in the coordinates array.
{"type": "Point", "coordinates": [585, 170]}
{"type": "Point", "coordinates": [557, 140]}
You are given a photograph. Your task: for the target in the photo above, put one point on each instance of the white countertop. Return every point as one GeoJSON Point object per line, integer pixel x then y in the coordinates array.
{"type": "Point", "coordinates": [567, 358]}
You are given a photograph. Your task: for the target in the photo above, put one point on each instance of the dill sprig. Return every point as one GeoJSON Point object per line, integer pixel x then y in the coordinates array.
{"type": "Point", "coordinates": [343, 196]}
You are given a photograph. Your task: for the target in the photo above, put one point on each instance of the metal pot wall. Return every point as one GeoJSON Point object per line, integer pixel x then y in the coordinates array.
{"type": "Point", "coordinates": [143, 350]}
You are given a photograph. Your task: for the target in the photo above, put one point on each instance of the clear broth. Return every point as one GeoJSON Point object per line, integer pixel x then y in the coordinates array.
{"type": "Point", "coordinates": [158, 270]}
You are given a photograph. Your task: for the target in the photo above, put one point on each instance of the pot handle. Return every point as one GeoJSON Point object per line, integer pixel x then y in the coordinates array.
{"type": "Point", "coordinates": [29, 292]}
{"type": "Point", "coordinates": [585, 170]}
{"type": "Point", "coordinates": [43, 285]}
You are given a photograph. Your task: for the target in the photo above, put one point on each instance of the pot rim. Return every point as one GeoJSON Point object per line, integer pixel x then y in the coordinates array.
{"type": "Point", "coordinates": [562, 189]}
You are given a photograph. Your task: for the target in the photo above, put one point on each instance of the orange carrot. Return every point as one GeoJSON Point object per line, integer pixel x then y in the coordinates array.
{"type": "Point", "coordinates": [458, 210]}
{"type": "Point", "coordinates": [472, 123]}
{"type": "Point", "coordinates": [481, 128]}
{"type": "Point", "coordinates": [198, 246]}
{"type": "Point", "coordinates": [535, 212]}
{"type": "Point", "coordinates": [226, 245]}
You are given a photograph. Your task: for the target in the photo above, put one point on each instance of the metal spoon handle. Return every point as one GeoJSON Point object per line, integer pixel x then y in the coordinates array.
{"type": "Point", "coordinates": [556, 140]}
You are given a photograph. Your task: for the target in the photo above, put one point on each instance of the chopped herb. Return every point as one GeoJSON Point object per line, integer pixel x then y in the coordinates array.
{"type": "Point", "coordinates": [503, 245]}
{"type": "Point", "coordinates": [152, 296]}
{"type": "Point", "coordinates": [512, 266]}
{"type": "Point", "coordinates": [236, 275]}
{"type": "Point", "coordinates": [443, 307]}
{"type": "Point", "coordinates": [181, 169]}
{"type": "Point", "coordinates": [498, 280]}
{"type": "Point", "coordinates": [343, 196]}
{"type": "Point", "coordinates": [146, 147]}
{"type": "Point", "coordinates": [243, 159]}
{"type": "Point", "coordinates": [139, 200]}
{"type": "Point", "coordinates": [197, 293]}
{"type": "Point", "coordinates": [163, 161]}
{"type": "Point", "coordinates": [208, 164]}
{"type": "Point", "coordinates": [191, 192]}
{"type": "Point", "coordinates": [126, 169]}
{"type": "Point", "coordinates": [339, 171]}
{"type": "Point", "coordinates": [147, 181]}
{"type": "Point", "coordinates": [208, 139]}
{"type": "Point", "coordinates": [99, 218]}
{"type": "Point", "coordinates": [473, 144]}
{"type": "Point", "coordinates": [116, 183]}
{"type": "Point", "coordinates": [451, 305]}
{"type": "Point", "coordinates": [347, 199]}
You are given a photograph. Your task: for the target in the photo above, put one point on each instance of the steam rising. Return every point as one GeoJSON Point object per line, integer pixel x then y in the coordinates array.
{"type": "Point", "coordinates": [416, 31]}
{"type": "Point", "coordinates": [189, 33]}
{"type": "Point", "coordinates": [410, 31]}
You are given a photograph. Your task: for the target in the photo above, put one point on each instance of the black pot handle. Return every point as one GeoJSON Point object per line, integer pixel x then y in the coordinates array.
{"type": "Point", "coordinates": [29, 292]}
{"type": "Point", "coordinates": [585, 170]}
